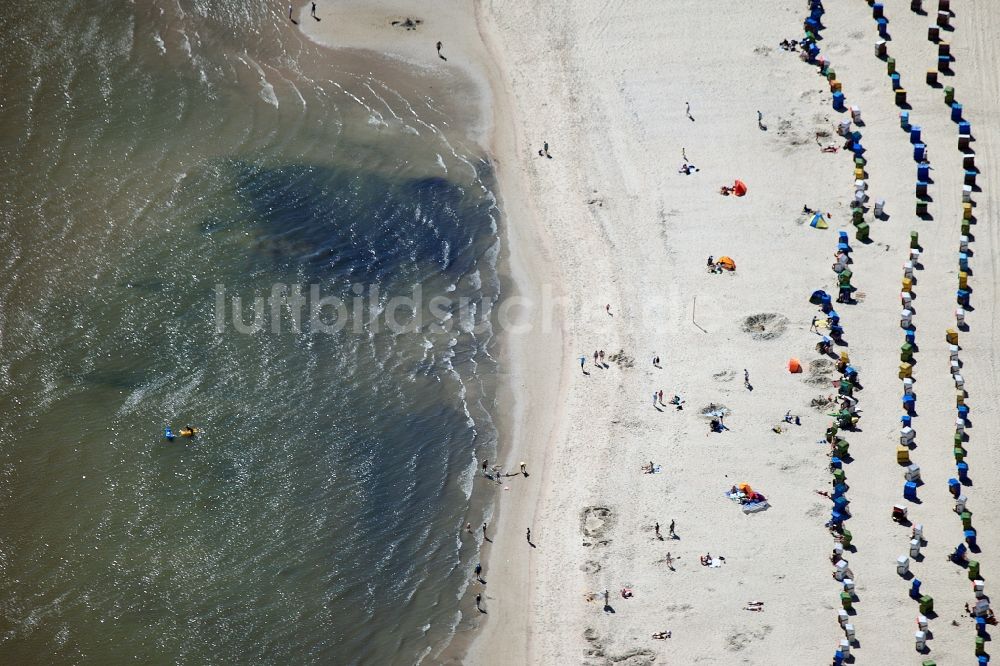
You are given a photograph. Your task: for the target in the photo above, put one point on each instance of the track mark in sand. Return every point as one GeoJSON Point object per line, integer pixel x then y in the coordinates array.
{"type": "Point", "coordinates": [634, 657]}
{"type": "Point", "coordinates": [816, 511]}
{"type": "Point", "coordinates": [738, 640]}
{"type": "Point", "coordinates": [590, 566]}
{"type": "Point", "coordinates": [724, 376]}
{"type": "Point", "coordinates": [596, 648]}
{"type": "Point", "coordinates": [604, 542]}
{"type": "Point", "coordinates": [678, 608]}
{"type": "Point", "coordinates": [765, 325]}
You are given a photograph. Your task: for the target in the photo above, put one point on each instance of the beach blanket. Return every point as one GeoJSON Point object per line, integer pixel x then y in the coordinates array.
{"type": "Point", "coordinates": [755, 506]}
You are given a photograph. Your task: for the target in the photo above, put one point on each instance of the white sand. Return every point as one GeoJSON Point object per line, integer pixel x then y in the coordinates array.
{"type": "Point", "coordinates": [609, 220]}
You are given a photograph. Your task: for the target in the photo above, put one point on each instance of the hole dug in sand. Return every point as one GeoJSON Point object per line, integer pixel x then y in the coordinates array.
{"type": "Point", "coordinates": [595, 521]}
{"type": "Point", "coordinates": [765, 326]}
{"type": "Point", "coordinates": [820, 372]}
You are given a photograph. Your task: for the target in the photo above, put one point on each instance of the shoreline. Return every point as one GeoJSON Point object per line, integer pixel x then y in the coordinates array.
{"type": "Point", "coordinates": [521, 419]}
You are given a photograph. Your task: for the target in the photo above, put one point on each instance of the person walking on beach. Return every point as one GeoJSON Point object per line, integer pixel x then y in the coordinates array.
{"type": "Point", "coordinates": [583, 359]}
{"type": "Point", "coordinates": [669, 559]}
{"type": "Point", "coordinates": [607, 308]}
{"type": "Point", "coordinates": [659, 395]}
{"type": "Point", "coordinates": [529, 535]}
{"type": "Point", "coordinates": [312, 12]}
{"type": "Point", "coordinates": [690, 117]}
{"type": "Point", "coordinates": [524, 469]}
{"type": "Point", "coordinates": [602, 356]}
{"type": "Point", "coordinates": [468, 528]}
{"type": "Point", "coordinates": [760, 120]}
{"type": "Point", "coordinates": [656, 530]}
{"type": "Point", "coordinates": [439, 52]}
{"type": "Point", "coordinates": [479, 572]}
{"type": "Point", "coordinates": [546, 148]}
{"type": "Point", "coordinates": [656, 361]}
{"type": "Point", "coordinates": [484, 530]}
{"type": "Point", "coordinates": [595, 357]}
{"type": "Point", "coordinates": [673, 535]}
{"type": "Point", "coordinates": [607, 599]}
{"type": "Point", "coordinates": [290, 15]}
{"type": "Point", "coordinates": [479, 600]}
{"type": "Point", "coordinates": [654, 398]}
{"type": "Point", "coordinates": [812, 326]}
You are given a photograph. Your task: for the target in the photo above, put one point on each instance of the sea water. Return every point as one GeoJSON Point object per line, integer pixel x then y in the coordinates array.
{"type": "Point", "coordinates": [206, 221]}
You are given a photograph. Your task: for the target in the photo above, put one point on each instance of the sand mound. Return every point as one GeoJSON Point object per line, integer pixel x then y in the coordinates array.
{"type": "Point", "coordinates": [765, 326]}
{"type": "Point", "coordinates": [822, 403]}
{"type": "Point", "coordinates": [820, 371]}
{"type": "Point", "coordinates": [595, 521]}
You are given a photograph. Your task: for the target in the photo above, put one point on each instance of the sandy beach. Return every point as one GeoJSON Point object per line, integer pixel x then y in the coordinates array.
{"type": "Point", "coordinates": [608, 241]}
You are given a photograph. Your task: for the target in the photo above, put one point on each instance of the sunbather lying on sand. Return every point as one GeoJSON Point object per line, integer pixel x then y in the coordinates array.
{"type": "Point", "coordinates": [725, 190]}
{"type": "Point", "coordinates": [830, 148]}
{"type": "Point", "coordinates": [626, 593]}
{"type": "Point", "coordinates": [649, 469]}
{"type": "Point", "coordinates": [755, 606]}
{"type": "Point", "coordinates": [662, 635]}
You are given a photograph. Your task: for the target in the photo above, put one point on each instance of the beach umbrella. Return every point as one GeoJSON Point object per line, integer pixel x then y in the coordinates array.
{"type": "Point", "coordinates": [794, 365]}
{"type": "Point", "coordinates": [818, 222]}
{"type": "Point", "coordinates": [739, 188]}
{"type": "Point", "coordinates": [727, 263]}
